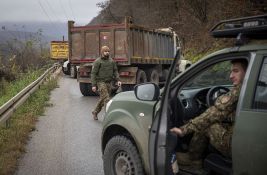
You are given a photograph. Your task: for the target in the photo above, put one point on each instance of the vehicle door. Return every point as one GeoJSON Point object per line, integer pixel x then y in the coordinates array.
{"type": "Point", "coordinates": [161, 141]}
{"type": "Point", "coordinates": [249, 142]}
{"type": "Point", "coordinates": [188, 86]}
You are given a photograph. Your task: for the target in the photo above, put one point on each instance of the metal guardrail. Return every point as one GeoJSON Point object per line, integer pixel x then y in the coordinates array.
{"type": "Point", "coordinates": [9, 107]}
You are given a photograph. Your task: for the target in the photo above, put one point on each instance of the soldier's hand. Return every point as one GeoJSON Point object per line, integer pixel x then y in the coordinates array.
{"type": "Point", "coordinates": [94, 89]}
{"type": "Point", "coordinates": [178, 131]}
{"type": "Point", "coordinates": [119, 83]}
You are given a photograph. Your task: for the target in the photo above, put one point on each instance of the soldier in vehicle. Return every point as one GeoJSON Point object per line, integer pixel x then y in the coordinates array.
{"type": "Point", "coordinates": [103, 73]}
{"type": "Point", "coordinates": [210, 126]}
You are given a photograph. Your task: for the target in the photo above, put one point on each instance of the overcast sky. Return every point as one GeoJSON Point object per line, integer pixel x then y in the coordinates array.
{"type": "Point", "coordinates": [82, 11]}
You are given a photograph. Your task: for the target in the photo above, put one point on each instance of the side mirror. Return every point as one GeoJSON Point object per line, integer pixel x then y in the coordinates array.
{"type": "Point", "coordinates": [147, 92]}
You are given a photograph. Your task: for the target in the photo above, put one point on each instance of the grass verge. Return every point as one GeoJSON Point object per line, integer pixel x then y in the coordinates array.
{"type": "Point", "coordinates": [14, 138]}
{"type": "Point", "coordinates": [10, 89]}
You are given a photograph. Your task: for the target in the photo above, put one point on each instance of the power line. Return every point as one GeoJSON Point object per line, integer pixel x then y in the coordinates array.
{"type": "Point", "coordinates": [71, 10]}
{"type": "Point", "coordinates": [63, 10]}
{"type": "Point", "coordinates": [47, 15]}
{"type": "Point", "coordinates": [58, 19]}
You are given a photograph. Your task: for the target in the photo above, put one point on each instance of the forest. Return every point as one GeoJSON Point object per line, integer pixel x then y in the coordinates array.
{"type": "Point", "coordinates": [191, 19]}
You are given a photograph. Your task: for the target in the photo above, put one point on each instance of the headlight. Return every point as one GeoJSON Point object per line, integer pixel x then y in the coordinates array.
{"type": "Point", "coordinates": [108, 104]}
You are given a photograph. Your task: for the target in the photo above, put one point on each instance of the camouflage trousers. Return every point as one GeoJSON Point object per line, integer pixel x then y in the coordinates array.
{"type": "Point", "coordinates": [217, 135]}
{"type": "Point", "coordinates": [104, 90]}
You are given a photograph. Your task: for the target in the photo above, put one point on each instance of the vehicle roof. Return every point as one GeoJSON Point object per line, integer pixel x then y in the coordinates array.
{"type": "Point", "coordinates": [252, 46]}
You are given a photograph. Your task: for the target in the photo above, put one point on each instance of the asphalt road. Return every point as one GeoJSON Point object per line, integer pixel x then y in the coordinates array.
{"type": "Point", "coordinates": [67, 139]}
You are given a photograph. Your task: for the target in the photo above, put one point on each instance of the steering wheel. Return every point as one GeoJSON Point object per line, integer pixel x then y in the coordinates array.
{"type": "Point", "coordinates": [214, 93]}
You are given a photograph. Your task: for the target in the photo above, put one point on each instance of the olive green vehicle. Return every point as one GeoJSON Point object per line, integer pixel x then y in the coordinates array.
{"type": "Point", "coordinates": [136, 137]}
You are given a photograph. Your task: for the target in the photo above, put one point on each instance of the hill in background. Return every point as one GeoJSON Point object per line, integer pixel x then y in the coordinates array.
{"type": "Point", "coordinates": [191, 19]}
{"type": "Point", "coordinates": [50, 31]}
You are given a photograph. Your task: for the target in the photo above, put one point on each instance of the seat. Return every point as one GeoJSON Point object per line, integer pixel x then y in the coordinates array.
{"type": "Point", "coordinates": [216, 163]}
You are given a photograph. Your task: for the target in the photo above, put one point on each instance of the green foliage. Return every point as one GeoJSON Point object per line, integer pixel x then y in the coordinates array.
{"type": "Point", "coordinates": [10, 89]}
{"type": "Point", "coordinates": [23, 54]}
{"type": "Point", "coordinates": [193, 56]}
{"type": "Point", "coordinates": [14, 138]}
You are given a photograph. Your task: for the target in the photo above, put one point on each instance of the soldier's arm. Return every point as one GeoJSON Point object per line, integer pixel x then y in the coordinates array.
{"type": "Point", "coordinates": [224, 106]}
{"type": "Point", "coordinates": [94, 72]}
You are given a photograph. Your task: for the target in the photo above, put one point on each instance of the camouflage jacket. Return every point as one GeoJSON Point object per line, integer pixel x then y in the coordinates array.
{"type": "Point", "coordinates": [104, 70]}
{"type": "Point", "coordinates": [223, 110]}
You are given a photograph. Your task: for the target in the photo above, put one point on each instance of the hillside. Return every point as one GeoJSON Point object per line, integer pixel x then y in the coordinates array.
{"type": "Point", "coordinates": [191, 19]}
{"type": "Point", "coordinates": [22, 36]}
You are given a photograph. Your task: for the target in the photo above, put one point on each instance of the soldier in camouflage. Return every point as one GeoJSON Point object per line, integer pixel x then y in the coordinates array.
{"type": "Point", "coordinates": [210, 126]}
{"type": "Point", "coordinates": [103, 73]}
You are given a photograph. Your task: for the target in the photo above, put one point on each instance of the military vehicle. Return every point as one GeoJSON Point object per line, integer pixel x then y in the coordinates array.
{"type": "Point", "coordinates": [136, 137]}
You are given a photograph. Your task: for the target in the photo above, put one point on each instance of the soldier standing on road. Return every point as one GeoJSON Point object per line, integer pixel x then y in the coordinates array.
{"type": "Point", "coordinates": [210, 126]}
{"type": "Point", "coordinates": [103, 73]}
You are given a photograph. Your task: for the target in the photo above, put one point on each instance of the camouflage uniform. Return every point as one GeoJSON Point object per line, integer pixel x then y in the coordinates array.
{"type": "Point", "coordinates": [104, 71]}
{"type": "Point", "coordinates": [214, 126]}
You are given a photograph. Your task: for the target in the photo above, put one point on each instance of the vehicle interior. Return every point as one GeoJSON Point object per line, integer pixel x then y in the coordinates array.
{"type": "Point", "coordinates": [194, 93]}
{"type": "Point", "coordinates": [191, 98]}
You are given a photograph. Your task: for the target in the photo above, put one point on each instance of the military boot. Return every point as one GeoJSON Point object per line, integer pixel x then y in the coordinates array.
{"type": "Point", "coordinates": [186, 159]}
{"type": "Point", "coordinates": [94, 115]}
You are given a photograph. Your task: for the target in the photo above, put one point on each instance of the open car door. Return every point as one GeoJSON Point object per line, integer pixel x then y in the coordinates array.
{"type": "Point", "coordinates": [161, 141]}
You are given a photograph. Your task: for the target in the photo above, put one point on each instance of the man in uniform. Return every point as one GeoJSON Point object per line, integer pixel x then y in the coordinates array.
{"type": "Point", "coordinates": [210, 126]}
{"type": "Point", "coordinates": [104, 71]}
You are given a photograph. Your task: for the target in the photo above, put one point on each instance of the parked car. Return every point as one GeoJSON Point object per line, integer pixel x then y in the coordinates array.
{"type": "Point", "coordinates": [136, 137]}
{"type": "Point", "coordinates": [66, 67]}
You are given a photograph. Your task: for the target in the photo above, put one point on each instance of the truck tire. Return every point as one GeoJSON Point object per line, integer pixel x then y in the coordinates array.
{"type": "Point", "coordinates": [86, 89]}
{"type": "Point", "coordinates": [141, 77]}
{"type": "Point", "coordinates": [165, 73]}
{"type": "Point", "coordinates": [153, 76]}
{"type": "Point", "coordinates": [121, 157]}
{"type": "Point", "coordinates": [73, 72]}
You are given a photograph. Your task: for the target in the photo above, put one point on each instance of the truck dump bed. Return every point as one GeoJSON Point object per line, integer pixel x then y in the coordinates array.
{"type": "Point", "coordinates": [129, 44]}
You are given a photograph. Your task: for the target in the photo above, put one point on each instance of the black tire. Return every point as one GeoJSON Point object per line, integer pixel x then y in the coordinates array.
{"type": "Point", "coordinates": [141, 77]}
{"type": "Point", "coordinates": [86, 89]}
{"type": "Point", "coordinates": [153, 76]}
{"type": "Point", "coordinates": [121, 157]}
{"type": "Point", "coordinates": [73, 72]}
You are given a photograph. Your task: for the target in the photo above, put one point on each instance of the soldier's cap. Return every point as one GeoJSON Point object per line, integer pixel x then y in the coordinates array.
{"type": "Point", "coordinates": [104, 49]}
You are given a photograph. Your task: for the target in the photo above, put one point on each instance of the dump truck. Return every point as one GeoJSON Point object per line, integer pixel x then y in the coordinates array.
{"type": "Point", "coordinates": [142, 54]}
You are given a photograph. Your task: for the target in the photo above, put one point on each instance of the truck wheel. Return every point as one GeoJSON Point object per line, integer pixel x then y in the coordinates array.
{"type": "Point", "coordinates": [165, 73]}
{"type": "Point", "coordinates": [141, 77]}
{"type": "Point", "coordinates": [153, 76]}
{"type": "Point", "coordinates": [121, 157]}
{"type": "Point", "coordinates": [73, 72]}
{"type": "Point", "coordinates": [86, 89]}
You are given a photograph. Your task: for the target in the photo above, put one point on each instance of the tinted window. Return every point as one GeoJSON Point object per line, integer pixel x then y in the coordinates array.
{"type": "Point", "coordinates": [215, 75]}
{"type": "Point", "coordinates": [260, 100]}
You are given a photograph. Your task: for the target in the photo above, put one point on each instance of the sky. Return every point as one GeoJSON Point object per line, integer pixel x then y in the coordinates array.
{"type": "Point", "coordinates": [82, 11]}
{"type": "Point", "coordinates": [49, 15]}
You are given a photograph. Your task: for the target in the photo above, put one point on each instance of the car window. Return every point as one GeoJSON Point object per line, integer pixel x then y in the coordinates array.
{"type": "Point", "coordinates": [260, 99]}
{"type": "Point", "coordinates": [215, 75]}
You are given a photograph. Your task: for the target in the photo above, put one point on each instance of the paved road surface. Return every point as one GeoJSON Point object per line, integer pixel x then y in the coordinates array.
{"type": "Point", "coordinates": [67, 139]}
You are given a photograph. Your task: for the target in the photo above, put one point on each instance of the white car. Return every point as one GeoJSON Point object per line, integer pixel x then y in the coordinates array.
{"type": "Point", "coordinates": [66, 67]}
